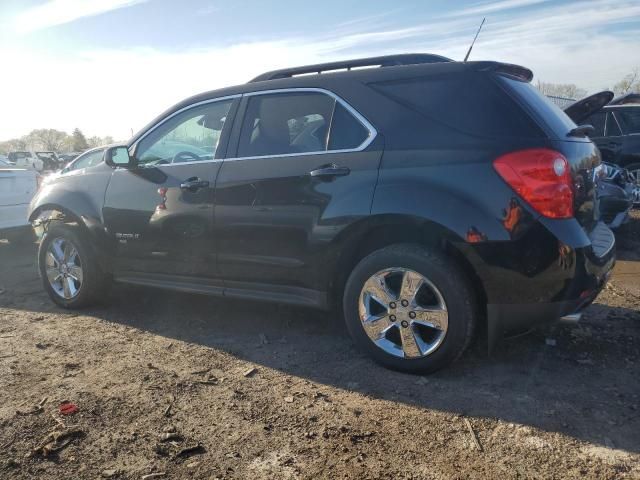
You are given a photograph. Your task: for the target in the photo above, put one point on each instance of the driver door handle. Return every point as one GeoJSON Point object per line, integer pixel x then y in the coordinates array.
{"type": "Point", "coordinates": [193, 184]}
{"type": "Point", "coordinates": [332, 170]}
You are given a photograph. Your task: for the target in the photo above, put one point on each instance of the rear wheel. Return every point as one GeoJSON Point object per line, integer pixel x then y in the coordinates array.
{"type": "Point", "coordinates": [69, 268]}
{"type": "Point", "coordinates": [410, 308]}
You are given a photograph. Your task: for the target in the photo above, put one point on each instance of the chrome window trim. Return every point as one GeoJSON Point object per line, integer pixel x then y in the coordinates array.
{"type": "Point", "coordinates": [373, 133]}
{"type": "Point", "coordinates": [134, 146]}
{"type": "Point", "coordinates": [615, 117]}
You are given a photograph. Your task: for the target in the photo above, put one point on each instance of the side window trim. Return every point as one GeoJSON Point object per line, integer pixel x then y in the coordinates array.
{"type": "Point", "coordinates": [373, 133]}
{"type": "Point", "coordinates": [615, 118]}
{"type": "Point", "coordinates": [232, 111]}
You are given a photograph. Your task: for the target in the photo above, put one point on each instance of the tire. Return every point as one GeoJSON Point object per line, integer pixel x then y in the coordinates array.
{"type": "Point", "coordinates": [92, 284]}
{"type": "Point", "coordinates": [443, 284]}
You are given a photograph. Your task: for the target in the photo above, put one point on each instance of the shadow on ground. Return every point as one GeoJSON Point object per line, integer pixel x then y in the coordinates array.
{"type": "Point", "coordinates": [580, 381]}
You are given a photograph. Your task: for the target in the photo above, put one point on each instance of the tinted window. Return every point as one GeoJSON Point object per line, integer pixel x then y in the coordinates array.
{"type": "Point", "coordinates": [346, 131]}
{"type": "Point", "coordinates": [543, 108]}
{"type": "Point", "coordinates": [630, 118]}
{"type": "Point", "coordinates": [190, 136]}
{"type": "Point", "coordinates": [469, 103]}
{"type": "Point", "coordinates": [299, 122]}
{"type": "Point", "coordinates": [613, 130]}
{"type": "Point", "coordinates": [597, 122]}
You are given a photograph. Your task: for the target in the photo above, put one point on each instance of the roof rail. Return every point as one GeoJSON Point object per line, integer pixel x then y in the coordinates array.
{"type": "Point", "coordinates": [384, 61]}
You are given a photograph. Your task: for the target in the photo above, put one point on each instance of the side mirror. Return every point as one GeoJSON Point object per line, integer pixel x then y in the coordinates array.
{"type": "Point", "coordinates": [118, 157]}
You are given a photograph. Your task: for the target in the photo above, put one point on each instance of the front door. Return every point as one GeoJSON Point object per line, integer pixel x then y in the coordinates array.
{"type": "Point", "coordinates": [161, 212]}
{"type": "Point", "coordinates": [305, 167]}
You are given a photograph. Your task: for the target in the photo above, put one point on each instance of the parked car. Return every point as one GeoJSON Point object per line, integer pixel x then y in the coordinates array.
{"type": "Point", "coordinates": [88, 159]}
{"type": "Point", "coordinates": [17, 188]}
{"type": "Point", "coordinates": [39, 161]}
{"type": "Point", "coordinates": [617, 192]}
{"type": "Point", "coordinates": [27, 160]}
{"type": "Point", "coordinates": [616, 130]}
{"type": "Point", "coordinates": [4, 161]}
{"type": "Point", "coordinates": [419, 199]}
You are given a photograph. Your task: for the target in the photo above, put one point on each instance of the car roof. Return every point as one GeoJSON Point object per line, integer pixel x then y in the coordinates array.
{"type": "Point", "coordinates": [626, 105]}
{"type": "Point", "coordinates": [275, 80]}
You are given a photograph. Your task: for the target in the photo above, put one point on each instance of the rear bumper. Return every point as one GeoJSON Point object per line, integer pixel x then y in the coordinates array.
{"type": "Point", "coordinates": [542, 278]}
{"type": "Point", "coordinates": [514, 318]}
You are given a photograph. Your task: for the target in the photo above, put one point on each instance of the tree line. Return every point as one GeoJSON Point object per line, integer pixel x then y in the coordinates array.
{"type": "Point", "coordinates": [630, 83]}
{"type": "Point", "coordinates": [49, 139]}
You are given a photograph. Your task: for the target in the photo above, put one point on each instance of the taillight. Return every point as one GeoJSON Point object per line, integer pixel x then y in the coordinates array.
{"type": "Point", "coordinates": [38, 181]}
{"type": "Point", "coordinates": [542, 177]}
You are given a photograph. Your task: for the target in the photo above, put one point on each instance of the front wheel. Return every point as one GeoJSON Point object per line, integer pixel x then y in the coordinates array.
{"type": "Point", "coordinates": [410, 308]}
{"type": "Point", "coordinates": [69, 267]}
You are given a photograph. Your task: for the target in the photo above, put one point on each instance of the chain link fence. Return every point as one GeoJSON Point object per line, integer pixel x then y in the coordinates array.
{"type": "Point", "coordinates": [561, 102]}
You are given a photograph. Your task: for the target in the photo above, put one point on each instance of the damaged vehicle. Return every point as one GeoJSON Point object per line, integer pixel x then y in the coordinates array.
{"type": "Point", "coordinates": [619, 188]}
{"type": "Point", "coordinates": [419, 200]}
{"type": "Point", "coordinates": [616, 130]}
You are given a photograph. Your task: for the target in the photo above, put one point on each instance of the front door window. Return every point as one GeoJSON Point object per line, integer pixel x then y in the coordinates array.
{"type": "Point", "coordinates": [190, 136]}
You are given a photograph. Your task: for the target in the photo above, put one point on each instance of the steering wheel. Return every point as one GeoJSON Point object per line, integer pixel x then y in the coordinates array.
{"type": "Point", "coordinates": [184, 156]}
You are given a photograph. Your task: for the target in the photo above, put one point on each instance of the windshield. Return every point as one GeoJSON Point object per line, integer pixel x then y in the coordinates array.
{"type": "Point", "coordinates": [543, 108]}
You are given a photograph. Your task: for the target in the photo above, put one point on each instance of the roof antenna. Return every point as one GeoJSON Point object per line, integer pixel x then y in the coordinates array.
{"type": "Point", "coordinates": [474, 41]}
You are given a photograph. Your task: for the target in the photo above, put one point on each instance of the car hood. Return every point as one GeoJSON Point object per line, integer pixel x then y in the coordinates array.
{"type": "Point", "coordinates": [587, 106]}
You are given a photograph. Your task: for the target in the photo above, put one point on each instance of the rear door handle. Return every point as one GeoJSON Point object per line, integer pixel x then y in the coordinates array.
{"type": "Point", "coordinates": [330, 171]}
{"type": "Point", "coordinates": [193, 184]}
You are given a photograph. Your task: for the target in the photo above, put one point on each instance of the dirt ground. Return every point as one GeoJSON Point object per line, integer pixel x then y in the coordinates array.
{"type": "Point", "coordinates": [204, 388]}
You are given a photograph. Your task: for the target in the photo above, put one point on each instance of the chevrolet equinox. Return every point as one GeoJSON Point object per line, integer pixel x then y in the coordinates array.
{"type": "Point", "coordinates": [420, 197]}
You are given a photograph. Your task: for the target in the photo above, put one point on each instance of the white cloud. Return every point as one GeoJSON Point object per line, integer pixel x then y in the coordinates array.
{"type": "Point", "coordinates": [58, 12]}
{"type": "Point", "coordinates": [110, 92]}
{"type": "Point", "coordinates": [492, 7]}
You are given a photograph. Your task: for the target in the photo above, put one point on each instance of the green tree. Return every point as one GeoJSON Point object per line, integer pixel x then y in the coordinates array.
{"type": "Point", "coordinates": [79, 141]}
{"type": "Point", "coordinates": [47, 139]}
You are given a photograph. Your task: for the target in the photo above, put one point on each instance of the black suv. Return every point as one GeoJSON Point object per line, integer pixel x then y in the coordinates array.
{"type": "Point", "coordinates": [421, 198]}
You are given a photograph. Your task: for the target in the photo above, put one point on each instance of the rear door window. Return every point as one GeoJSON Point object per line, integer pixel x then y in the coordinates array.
{"type": "Point", "coordinates": [292, 123]}
{"type": "Point", "coordinates": [630, 118]}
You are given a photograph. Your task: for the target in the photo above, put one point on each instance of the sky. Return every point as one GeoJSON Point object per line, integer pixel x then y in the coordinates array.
{"type": "Point", "coordinates": [110, 66]}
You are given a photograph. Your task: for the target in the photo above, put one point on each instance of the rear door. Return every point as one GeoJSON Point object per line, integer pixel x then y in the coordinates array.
{"type": "Point", "coordinates": [161, 212]}
{"type": "Point", "coordinates": [305, 167]}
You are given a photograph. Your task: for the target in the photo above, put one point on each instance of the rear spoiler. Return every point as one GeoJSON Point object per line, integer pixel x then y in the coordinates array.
{"type": "Point", "coordinates": [626, 99]}
{"type": "Point", "coordinates": [508, 69]}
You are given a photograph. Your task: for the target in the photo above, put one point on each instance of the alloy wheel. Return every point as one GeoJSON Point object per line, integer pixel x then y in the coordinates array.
{"type": "Point", "coordinates": [403, 313]}
{"type": "Point", "coordinates": [63, 268]}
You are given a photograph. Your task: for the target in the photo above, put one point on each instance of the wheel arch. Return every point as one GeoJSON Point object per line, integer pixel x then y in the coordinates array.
{"type": "Point", "coordinates": [381, 231]}
{"type": "Point", "coordinates": [76, 211]}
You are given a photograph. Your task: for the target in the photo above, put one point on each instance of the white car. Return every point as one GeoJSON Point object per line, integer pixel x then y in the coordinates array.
{"type": "Point", "coordinates": [17, 187]}
{"type": "Point", "coordinates": [27, 160]}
